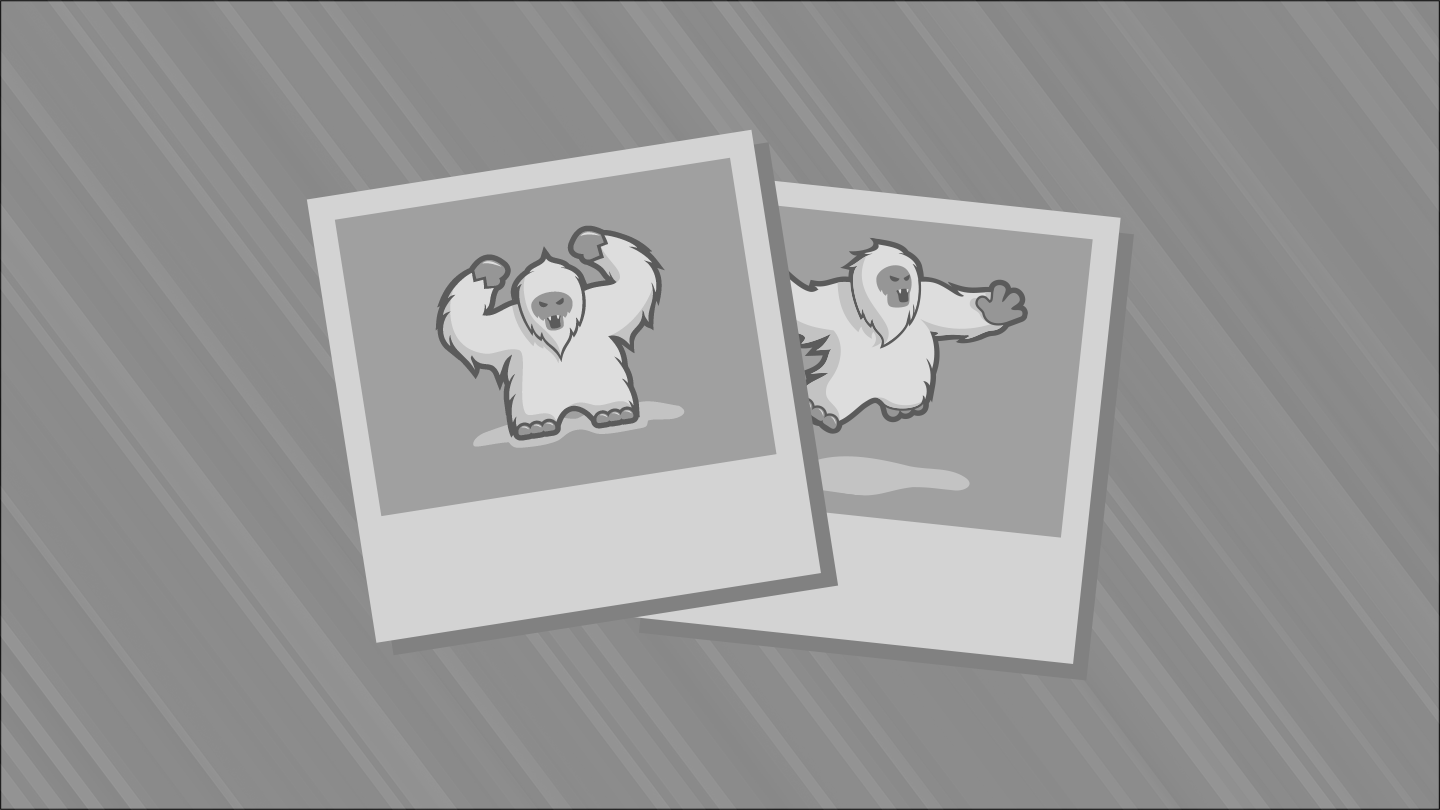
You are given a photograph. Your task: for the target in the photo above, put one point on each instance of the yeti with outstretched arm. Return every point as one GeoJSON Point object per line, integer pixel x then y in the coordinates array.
{"type": "Point", "coordinates": [558, 346]}
{"type": "Point", "coordinates": [878, 330]}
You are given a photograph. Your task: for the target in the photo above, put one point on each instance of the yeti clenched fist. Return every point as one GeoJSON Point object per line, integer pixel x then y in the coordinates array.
{"type": "Point", "coordinates": [559, 345]}
{"type": "Point", "coordinates": [878, 332]}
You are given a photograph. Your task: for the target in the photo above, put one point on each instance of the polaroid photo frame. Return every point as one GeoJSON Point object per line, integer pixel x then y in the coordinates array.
{"type": "Point", "coordinates": [521, 529]}
{"type": "Point", "coordinates": [1001, 576]}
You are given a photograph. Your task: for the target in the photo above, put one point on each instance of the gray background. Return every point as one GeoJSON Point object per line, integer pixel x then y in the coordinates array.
{"type": "Point", "coordinates": [425, 410]}
{"type": "Point", "coordinates": [184, 612]}
{"type": "Point", "coordinates": [1003, 406]}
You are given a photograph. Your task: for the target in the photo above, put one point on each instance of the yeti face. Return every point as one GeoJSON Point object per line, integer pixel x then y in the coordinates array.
{"type": "Point", "coordinates": [885, 282]}
{"type": "Point", "coordinates": [894, 284]}
{"type": "Point", "coordinates": [551, 308]}
{"type": "Point", "coordinates": [551, 299]}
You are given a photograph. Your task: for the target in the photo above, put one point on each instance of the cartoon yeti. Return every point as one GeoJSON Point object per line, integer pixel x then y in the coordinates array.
{"type": "Point", "coordinates": [878, 332]}
{"type": "Point", "coordinates": [559, 345]}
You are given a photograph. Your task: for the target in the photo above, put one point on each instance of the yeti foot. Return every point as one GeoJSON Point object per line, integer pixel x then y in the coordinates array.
{"type": "Point", "coordinates": [826, 420]}
{"type": "Point", "coordinates": [614, 416]}
{"type": "Point", "coordinates": [537, 429]}
{"type": "Point", "coordinates": [896, 414]}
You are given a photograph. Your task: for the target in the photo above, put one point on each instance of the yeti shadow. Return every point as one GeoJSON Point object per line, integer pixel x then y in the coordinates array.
{"type": "Point", "coordinates": [559, 345]}
{"type": "Point", "coordinates": [863, 329]}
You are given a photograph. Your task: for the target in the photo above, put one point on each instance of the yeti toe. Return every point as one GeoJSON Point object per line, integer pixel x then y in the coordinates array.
{"type": "Point", "coordinates": [614, 416]}
{"type": "Point", "coordinates": [896, 414]}
{"type": "Point", "coordinates": [534, 430]}
{"type": "Point", "coordinates": [829, 421]}
{"type": "Point", "coordinates": [586, 244]}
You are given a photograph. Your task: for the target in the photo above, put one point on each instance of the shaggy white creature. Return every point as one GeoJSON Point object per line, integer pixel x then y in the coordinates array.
{"type": "Point", "coordinates": [559, 345]}
{"type": "Point", "coordinates": [878, 330]}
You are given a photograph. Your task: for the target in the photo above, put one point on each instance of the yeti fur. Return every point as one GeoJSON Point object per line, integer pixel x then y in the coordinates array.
{"type": "Point", "coordinates": [877, 332]}
{"type": "Point", "coordinates": [548, 365]}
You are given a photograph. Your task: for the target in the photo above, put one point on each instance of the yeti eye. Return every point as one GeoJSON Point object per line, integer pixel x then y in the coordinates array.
{"type": "Point", "coordinates": [543, 304]}
{"type": "Point", "coordinates": [893, 278]}
{"type": "Point", "coordinates": [560, 301]}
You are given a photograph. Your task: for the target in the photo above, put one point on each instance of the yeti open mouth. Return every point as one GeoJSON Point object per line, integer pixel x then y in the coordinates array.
{"type": "Point", "coordinates": [554, 322]}
{"type": "Point", "coordinates": [904, 296]}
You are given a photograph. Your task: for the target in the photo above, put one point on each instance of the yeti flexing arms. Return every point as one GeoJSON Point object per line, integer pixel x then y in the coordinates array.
{"type": "Point", "coordinates": [878, 331]}
{"type": "Point", "coordinates": [559, 345]}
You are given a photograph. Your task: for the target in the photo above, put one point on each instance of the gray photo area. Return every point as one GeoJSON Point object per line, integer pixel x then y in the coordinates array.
{"type": "Point", "coordinates": [992, 450]}
{"type": "Point", "coordinates": [439, 436]}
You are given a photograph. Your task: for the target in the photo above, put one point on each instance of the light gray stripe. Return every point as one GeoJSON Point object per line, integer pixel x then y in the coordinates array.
{"type": "Point", "coordinates": [831, 117]}
{"type": "Point", "coordinates": [72, 721]}
{"type": "Point", "coordinates": [288, 90]}
{"type": "Point", "coordinates": [614, 705]}
{"type": "Point", "coordinates": [606, 733]}
{"type": "Point", "coordinates": [293, 269]}
{"type": "Point", "coordinates": [658, 717]}
{"type": "Point", "coordinates": [27, 770]}
{"type": "Point", "coordinates": [1108, 721]}
{"type": "Point", "coordinates": [796, 103]}
{"type": "Point", "coordinates": [1375, 97]}
{"type": "Point", "coordinates": [1259, 199]}
{"type": "Point", "coordinates": [347, 90]}
{"type": "Point", "coordinates": [879, 99]}
{"type": "Point", "coordinates": [1290, 519]}
{"type": "Point", "coordinates": [502, 729]}
{"type": "Point", "coordinates": [253, 264]}
{"type": "Point", "coordinates": [1406, 56]}
{"type": "Point", "coordinates": [763, 720]}
{"type": "Point", "coordinates": [1421, 29]}
{"type": "Point", "coordinates": [1182, 704]}
{"type": "Point", "coordinates": [391, 88]}
{"type": "Point", "coordinates": [187, 311]}
{"type": "Point", "coordinates": [325, 653]}
{"type": "Point", "coordinates": [341, 732]}
{"type": "Point", "coordinates": [11, 791]}
{"type": "Point", "coordinates": [737, 111]}
{"type": "Point", "coordinates": [1081, 744]}
{"type": "Point", "coordinates": [978, 105]}
{"type": "Point", "coordinates": [1260, 605]}
{"type": "Point", "coordinates": [1113, 645]}
{"type": "Point", "coordinates": [120, 651]}
{"type": "Point", "coordinates": [876, 730]}
{"type": "Point", "coordinates": [625, 81]}
{"type": "Point", "coordinates": [303, 249]}
{"type": "Point", "coordinates": [47, 744]}
{"type": "Point", "coordinates": [1276, 706]}
{"type": "Point", "coordinates": [846, 752]}
{"type": "Point", "coordinates": [190, 477]}
{"type": "Point", "coordinates": [1274, 217]}
{"type": "Point", "coordinates": [586, 88]}
{"type": "Point", "coordinates": [663, 49]}
{"type": "Point", "coordinates": [1241, 693]}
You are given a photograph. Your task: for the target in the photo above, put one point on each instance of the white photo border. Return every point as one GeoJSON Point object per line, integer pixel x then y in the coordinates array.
{"type": "Point", "coordinates": [475, 569]}
{"type": "Point", "coordinates": [948, 594]}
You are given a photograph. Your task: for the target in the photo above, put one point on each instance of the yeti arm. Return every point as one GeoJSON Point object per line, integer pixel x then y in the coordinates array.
{"type": "Point", "coordinates": [625, 302]}
{"type": "Point", "coordinates": [818, 308]}
{"type": "Point", "coordinates": [471, 327]}
{"type": "Point", "coordinates": [956, 313]}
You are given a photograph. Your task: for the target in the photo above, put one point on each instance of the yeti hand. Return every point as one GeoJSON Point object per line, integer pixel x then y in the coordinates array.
{"type": "Point", "coordinates": [586, 244]}
{"type": "Point", "coordinates": [490, 271]}
{"type": "Point", "coordinates": [1004, 305]}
